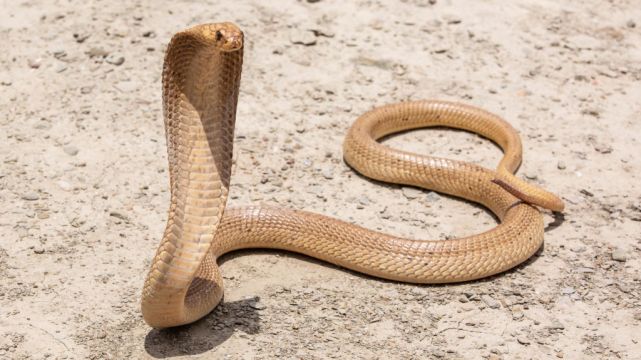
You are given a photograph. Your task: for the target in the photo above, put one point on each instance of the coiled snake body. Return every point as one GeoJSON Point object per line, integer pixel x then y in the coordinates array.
{"type": "Point", "coordinates": [201, 78]}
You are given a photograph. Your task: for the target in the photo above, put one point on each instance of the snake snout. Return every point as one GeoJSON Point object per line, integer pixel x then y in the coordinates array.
{"type": "Point", "coordinates": [228, 37]}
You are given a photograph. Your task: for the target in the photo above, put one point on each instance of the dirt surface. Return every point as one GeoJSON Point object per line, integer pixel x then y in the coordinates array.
{"type": "Point", "coordinates": [84, 188]}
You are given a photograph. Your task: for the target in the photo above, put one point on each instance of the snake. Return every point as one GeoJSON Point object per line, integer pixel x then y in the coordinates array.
{"type": "Point", "coordinates": [200, 88]}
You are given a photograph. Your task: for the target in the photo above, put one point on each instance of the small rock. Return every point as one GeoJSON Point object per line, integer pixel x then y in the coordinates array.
{"type": "Point", "coordinates": [619, 254]}
{"type": "Point", "coordinates": [433, 196]}
{"type": "Point", "coordinates": [586, 193]}
{"type": "Point", "coordinates": [80, 37]}
{"type": "Point", "coordinates": [556, 325]}
{"type": "Point", "coordinates": [530, 176]}
{"type": "Point", "coordinates": [97, 52]}
{"type": "Point", "coordinates": [34, 63]}
{"type": "Point", "coordinates": [560, 165]}
{"type": "Point", "coordinates": [64, 185]}
{"type": "Point", "coordinates": [149, 34]}
{"type": "Point", "coordinates": [71, 150]}
{"type": "Point", "coordinates": [31, 196]}
{"type": "Point", "coordinates": [302, 37]}
{"type": "Point", "coordinates": [257, 305]}
{"type": "Point", "coordinates": [364, 200]}
{"type": "Point", "coordinates": [411, 193]}
{"type": "Point", "coordinates": [490, 302]}
{"type": "Point", "coordinates": [523, 340]}
{"type": "Point", "coordinates": [39, 250]}
{"type": "Point", "coordinates": [323, 32]}
{"type": "Point", "coordinates": [328, 174]}
{"type": "Point", "coordinates": [60, 67]}
{"type": "Point", "coordinates": [118, 215]}
{"type": "Point", "coordinates": [114, 59]}
{"type": "Point", "coordinates": [631, 24]}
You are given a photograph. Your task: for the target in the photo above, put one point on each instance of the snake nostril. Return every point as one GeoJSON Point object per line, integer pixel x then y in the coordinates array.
{"type": "Point", "coordinates": [219, 35]}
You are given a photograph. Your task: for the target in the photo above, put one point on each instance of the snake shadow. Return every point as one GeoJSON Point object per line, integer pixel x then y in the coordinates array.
{"type": "Point", "coordinates": [207, 333]}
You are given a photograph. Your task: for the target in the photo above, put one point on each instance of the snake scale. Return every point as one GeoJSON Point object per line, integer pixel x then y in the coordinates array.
{"type": "Point", "coordinates": [201, 78]}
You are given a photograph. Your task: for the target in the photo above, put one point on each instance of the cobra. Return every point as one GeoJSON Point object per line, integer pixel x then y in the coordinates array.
{"type": "Point", "coordinates": [201, 78]}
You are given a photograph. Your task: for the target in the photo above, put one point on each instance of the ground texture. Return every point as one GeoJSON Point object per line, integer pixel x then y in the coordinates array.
{"type": "Point", "coordinates": [83, 179]}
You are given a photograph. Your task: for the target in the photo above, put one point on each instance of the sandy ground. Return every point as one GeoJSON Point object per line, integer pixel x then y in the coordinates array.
{"type": "Point", "coordinates": [83, 179]}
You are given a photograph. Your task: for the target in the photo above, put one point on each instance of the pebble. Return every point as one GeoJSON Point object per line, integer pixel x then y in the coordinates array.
{"type": "Point", "coordinates": [115, 59]}
{"type": "Point", "coordinates": [31, 196]}
{"type": "Point", "coordinates": [302, 37]}
{"type": "Point", "coordinates": [80, 37]}
{"type": "Point", "coordinates": [631, 24]}
{"type": "Point", "coordinates": [64, 185]}
{"type": "Point", "coordinates": [531, 176]}
{"type": "Point", "coordinates": [34, 63]}
{"type": "Point", "coordinates": [411, 193]}
{"type": "Point", "coordinates": [619, 254]}
{"type": "Point", "coordinates": [39, 250]}
{"type": "Point", "coordinates": [364, 200]}
{"type": "Point", "coordinates": [97, 52]}
{"type": "Point", "coordinates": [523, 340]}
{"type": "Point", "coordinates": [257, 305]}
{"type": "Point", "coordinates": [556, 325]}
{"type": "Point", "coordinates": [433, 196]}
{"type": "Point", "coordinates": [71, 150]}
{"type": "Point", "coordinates": [60, 68]}
{"type": "Point", "coordinates": [328, 173]}
{"type": "Point", "coordinates": [490, 302]}
{"type": "Point", "coordinates": [118, 215]}
{"type": "Point", "coordinates": [561, 165]}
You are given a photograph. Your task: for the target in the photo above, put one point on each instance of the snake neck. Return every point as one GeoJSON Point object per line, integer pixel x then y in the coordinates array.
{"type": "Point", "coordinates": [200, 92]}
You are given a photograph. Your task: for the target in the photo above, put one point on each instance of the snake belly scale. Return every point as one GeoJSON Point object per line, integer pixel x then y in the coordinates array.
{"type": "Point", "coordinates": [201, 79]}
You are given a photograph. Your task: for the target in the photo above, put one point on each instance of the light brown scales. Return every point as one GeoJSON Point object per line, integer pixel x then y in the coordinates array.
{"type": "Point", "coordinates": [201, 78]}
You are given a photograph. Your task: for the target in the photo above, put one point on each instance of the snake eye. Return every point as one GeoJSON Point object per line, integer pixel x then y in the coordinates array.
{"type": "Point", "coordinates": [219, 35]}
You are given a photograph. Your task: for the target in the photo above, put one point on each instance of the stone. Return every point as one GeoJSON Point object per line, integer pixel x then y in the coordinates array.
{"type": "Point", "coordinates": [97, 52]}
{"type": "Point", "coordinates": [302, 37]}
{"type": "Point", "coordinates": [328, 173]}
{"type": "Point", "coordinates": [411, 193]}
{"type": "Point", "coordinates": [114, 59]}
{"type": "Point", "coordinates": [71, 150]}
{"type": "Point", "coordinates": [619, 254]}
{"type": "Point", "coordinates": [30, 196]}
{"type": "Point", "coordinates": [490, 302]}
{"type": "Point", "coordinates": [34, 63]}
